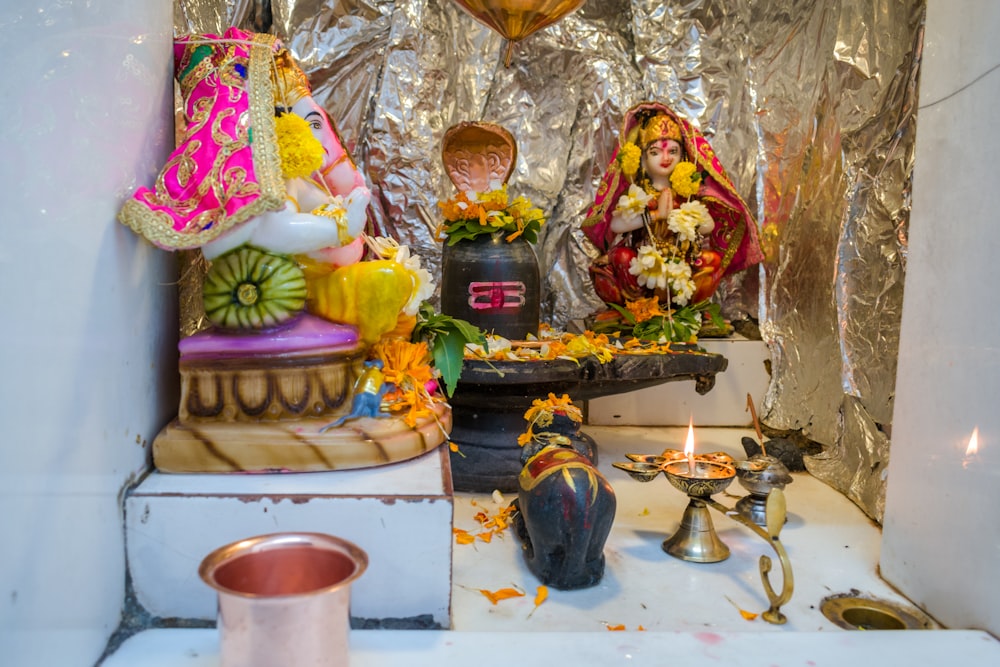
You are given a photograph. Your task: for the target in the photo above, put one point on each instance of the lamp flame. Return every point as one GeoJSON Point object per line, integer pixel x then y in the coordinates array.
{"type": "Point", "coordinates": [689, 447]}
{"type": "Point", "coordinates": [972, 451]}
{"type": "Point", "coordinates": [689, 443]}
{"type": "Point", "coordinates": [973, 447]}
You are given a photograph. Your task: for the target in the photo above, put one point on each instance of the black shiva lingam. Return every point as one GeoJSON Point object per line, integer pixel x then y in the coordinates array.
{"type": "Point", "coordinates": [700, 477]}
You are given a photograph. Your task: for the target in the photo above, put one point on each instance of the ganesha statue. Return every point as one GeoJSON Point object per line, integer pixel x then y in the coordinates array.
{"type": "Point", "coordinates": [667, 222]}
{"type": "Point", "coordinates": [298, 301]}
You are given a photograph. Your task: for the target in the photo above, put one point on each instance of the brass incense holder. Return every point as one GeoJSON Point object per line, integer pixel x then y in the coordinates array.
{"type": "Point", "coordinates": [759, 475]}
{"type": "Point", "coordinates": [701, 477]}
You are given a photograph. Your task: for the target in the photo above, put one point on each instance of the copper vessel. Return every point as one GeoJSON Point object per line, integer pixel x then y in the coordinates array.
{"type": "Point", "coordinates": [284, 599]}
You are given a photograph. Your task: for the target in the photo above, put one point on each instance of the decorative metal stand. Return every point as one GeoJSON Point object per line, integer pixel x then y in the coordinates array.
{"type": "Point", "coordinates": [695, 540]}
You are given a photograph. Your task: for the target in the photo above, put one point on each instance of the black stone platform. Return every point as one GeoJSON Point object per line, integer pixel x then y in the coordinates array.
{"type": "Point", "coordinates": [491, 398]}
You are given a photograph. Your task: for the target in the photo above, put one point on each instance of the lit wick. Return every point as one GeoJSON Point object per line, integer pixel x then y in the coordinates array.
{"type": "Point", "coordinates": [689, 448]}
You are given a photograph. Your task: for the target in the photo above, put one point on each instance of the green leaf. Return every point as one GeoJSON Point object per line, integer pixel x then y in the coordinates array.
{"type": "Point", "coordinates": [469, 332]}
{"type": "Point", "coordinates": [449, 351]}
{"type": "Point", "coordinates": [629, 317]}
{"type": "Point", "coordinates": [446, 337]}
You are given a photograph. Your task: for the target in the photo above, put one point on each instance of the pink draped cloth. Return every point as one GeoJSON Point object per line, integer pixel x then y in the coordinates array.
{"type": "Point", "coordinates": [226, 169]}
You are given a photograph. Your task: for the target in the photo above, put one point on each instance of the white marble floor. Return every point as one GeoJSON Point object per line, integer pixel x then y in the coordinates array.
{"type": "Point", "coordinates": [833, 547]}
{"type": "Point", "coordinates": [664, 607]}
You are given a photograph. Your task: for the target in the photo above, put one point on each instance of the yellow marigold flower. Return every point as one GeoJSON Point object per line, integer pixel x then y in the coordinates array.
{"type": "Point", "coordinates": [301, 153]}
{"type": "Point", "coordinates": [685, 179]}
{"type": "Point", "coordinates": [629, 157]}
{"type": "Point", "coordinates": [495, 199]}
{"type": "Point", "coordinates": [583, 345]}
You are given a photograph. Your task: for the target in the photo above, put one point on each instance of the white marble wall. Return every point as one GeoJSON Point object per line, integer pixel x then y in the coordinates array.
{"type": "Point", "coordinates": [941, 538]}
{"type": "Point", "coordinates": [86, 345]}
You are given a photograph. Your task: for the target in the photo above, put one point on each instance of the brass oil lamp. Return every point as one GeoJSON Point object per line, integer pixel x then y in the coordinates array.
{"type": "Point", "coordinates": [700, 477]}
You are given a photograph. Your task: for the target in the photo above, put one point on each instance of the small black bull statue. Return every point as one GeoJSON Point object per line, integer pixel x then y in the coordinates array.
{"type": "Point", "coordinates": [565, 509]}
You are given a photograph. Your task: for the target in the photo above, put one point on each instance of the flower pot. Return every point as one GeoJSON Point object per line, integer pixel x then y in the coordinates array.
{"type": "Point", "coordinates": [492, 284]}
{"type": "Point", "coordinates": [284, 599]}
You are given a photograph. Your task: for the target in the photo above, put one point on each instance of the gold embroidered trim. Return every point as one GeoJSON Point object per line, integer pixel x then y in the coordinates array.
{"type": "Point", "coordinates": [735, 238]}
{"type": "Point", "coordinates": [266, 160]}
{"type": "Point", "coordinates": [157, 226]}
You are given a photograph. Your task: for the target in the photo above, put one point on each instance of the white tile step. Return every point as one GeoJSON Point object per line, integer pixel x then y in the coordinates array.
{"type": "Point", "coordinates": [434, 648]}
{"type": "Point", "coordinates": [400, 514]}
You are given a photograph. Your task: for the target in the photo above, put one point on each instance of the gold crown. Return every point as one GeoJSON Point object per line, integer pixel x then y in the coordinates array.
{"type": "Point", "coordinates": [660, 126]}
{"type": "Point", "coordinates": [290, 82]}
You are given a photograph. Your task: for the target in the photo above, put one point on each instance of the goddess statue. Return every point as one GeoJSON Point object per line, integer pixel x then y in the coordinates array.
{"type": "Point", "coordinates": [666, 219]}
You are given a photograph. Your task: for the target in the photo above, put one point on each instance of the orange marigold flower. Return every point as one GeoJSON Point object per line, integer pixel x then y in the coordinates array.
{"type": "Point", "coordinates": [404, 360]}
{"type": "Point", "coordinates": [541, 410]}
{"type": "Point", "coordinates": [457, 208]}
{"type": "Point", "coordinates": [644, 309]}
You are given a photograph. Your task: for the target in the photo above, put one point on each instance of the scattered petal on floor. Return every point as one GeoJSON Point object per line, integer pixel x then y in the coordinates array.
{"type": "Point", "coordinates": [502, 594]}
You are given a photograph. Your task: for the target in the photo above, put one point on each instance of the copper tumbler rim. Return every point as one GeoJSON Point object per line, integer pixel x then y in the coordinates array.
{"type": "Point", "coordinates": [230, 553]}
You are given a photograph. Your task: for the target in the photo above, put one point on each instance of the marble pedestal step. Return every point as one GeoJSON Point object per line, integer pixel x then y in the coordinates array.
{"type": "Point", "coordinates": [391, 648]}
{"type": "Point", "coordinates": [400, 514]}
{"type": "Point", "coordinates": [674, 403]}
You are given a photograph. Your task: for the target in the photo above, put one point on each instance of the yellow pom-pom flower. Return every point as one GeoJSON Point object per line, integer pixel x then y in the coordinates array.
{"type": "Point", "coordinates": [629, 157]}
{"type": "Point", "coordinates": [301, 153]}
{"type": "Point", "coordinates": [685, 179]}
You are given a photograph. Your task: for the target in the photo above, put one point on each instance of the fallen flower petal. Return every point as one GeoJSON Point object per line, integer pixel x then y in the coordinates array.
{"type": "Point", "coordinates": [747, 615]}
{"type": "Point", "coordinates": [615, 628]}
{"type": "Point", "coordinates": [502, 594]}
{"type": "Point", "coordinates": [463, 536]}
{"type": "Point", "coordinates": [542, 595]}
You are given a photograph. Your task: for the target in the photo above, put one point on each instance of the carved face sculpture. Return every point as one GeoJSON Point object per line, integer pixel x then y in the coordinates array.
{"type": "Point", "coordinates": [337, 170]}
{"type": "Point", "coordinates": [659, 160]}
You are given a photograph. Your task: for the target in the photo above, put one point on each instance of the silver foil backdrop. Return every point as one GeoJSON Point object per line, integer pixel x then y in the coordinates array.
{"type": "Point", "coordinates": [811, 106]}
